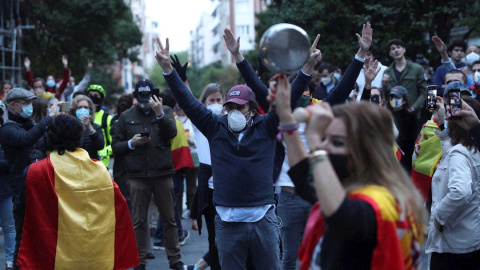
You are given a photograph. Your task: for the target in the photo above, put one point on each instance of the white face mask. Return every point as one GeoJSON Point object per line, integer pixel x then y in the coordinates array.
{"type": "Point", "coordinates": [396, 103]}
{"type": "Point", "coordinates": [215, 108]}
{"type": "Point", "coordinates": [476, 78]}
{"type": "Point", "coordinates": [326, 80]}
{"type": "Point", "coordinates": [471, 58]}
{"type": "Point", "coordinates": [237, 120]}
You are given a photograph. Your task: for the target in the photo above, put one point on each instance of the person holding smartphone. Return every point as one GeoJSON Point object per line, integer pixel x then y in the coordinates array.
{"type": "Point", "coordinates": [453, 237]}
{"type": "Point", "coordinates": [92, 141]}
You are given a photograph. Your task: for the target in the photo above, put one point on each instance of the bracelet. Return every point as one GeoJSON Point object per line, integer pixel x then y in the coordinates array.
{"type": "Point", "coordinates": [317, 157]}
{"type": "Point", "coordinates": [92, 132]}
{"type": "Point", "coordinates": [289, 128]}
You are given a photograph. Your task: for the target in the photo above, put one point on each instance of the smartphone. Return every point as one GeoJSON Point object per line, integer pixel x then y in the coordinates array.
{"type": "Point", "coordinates": [453, 103]}
{"type": "Point", "coordinates": [431, 97]}
{"type": "Point", "coordinates": [145, 134]}
{"type": "Point", "coordinates": [156, 92]}
{"type": "Point", "coordinates": [65, 107]}
{"type": "Point", "coordinates": [375, 99]}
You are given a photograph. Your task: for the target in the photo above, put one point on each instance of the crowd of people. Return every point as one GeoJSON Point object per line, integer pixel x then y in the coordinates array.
{"type": "Point", "coordinates": [318, 170]}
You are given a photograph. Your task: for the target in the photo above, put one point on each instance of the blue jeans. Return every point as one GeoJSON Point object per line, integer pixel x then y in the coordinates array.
{"type": "Point", "coordinates": [294, 213]}
{"type": "Point", "coordinates": [8, 225]}
{"type": "Point", "coordinates": [236, 239]}
{"type": "Point", "coordinates": [177, 191]}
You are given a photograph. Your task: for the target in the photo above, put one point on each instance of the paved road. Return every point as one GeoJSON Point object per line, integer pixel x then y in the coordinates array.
{"type": "Point", "coordinates": [194, 248]}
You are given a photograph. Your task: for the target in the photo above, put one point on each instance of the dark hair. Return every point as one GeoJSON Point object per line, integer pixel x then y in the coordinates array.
{"type": "Point", "coordinates": [373, 50]}
{"type": "Point", "coordinates": [64, 134]}
{"type": "Point", "coordinates": [325, 65]}
{"type": "Point", "coordinates": [457, 43]}
{"type": "Point", "coordinates": [39, 80]}
{"type": "Point", "coordinates": [124, 103]}
{"type": "Point", "coordinates": [253, 105]}
{"type": "Point", "coordinates": [476, 63]}
{"type": "Point", "coordinates": [3, 84]}
{"type": "Point", "coordinates": [209, 89]}
{"type": "Point", "coordinates": [79, 93]}
{"type": "Point", "coordinates": [459, 135]}
{"type": "Point", "coordinates": [395, 41]}
{"type": "Point", "coordinates": [456, 71]}
{"type": "Point", "coordinates": [40, 108]}
{"type": "Point", "coordinates": [168, 98]}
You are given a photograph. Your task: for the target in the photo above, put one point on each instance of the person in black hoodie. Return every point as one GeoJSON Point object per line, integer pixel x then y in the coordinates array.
{"type": "Point", "coordinates": [406, 123]}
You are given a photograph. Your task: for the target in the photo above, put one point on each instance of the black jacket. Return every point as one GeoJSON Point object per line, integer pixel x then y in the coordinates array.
{"type": "Point", "coordinates": [153, 158]}
{"type": "Point", "coordinates": [17, 137]}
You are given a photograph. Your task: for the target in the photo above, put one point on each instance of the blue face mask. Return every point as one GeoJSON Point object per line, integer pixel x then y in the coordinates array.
{"type": "Point", "coordinates": [27, 110]}
{"type": "Point", "coordinates": [50, 83]}
{"type": "Point", "coordinates": [81, 112]}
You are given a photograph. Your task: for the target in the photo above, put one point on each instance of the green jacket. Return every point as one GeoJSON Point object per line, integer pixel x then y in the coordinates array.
{"type": "Point", "coordinates": [105, 153]}
{"type": "Point", "coordinates": [413, 80]}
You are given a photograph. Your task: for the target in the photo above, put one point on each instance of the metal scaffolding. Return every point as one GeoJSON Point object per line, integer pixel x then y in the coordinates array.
{"type": "Point", "coordinates": [10, 41]}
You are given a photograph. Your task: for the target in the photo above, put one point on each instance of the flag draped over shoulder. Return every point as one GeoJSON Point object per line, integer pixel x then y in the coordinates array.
{"type": "Point", "coordinates": [180, 150]}
{"type": "Point", "coordinates": [426, 155]}
{"type": "Point", "coordinates": [399, 238]}
{"type": "Point", "coordinates": [75, 217]}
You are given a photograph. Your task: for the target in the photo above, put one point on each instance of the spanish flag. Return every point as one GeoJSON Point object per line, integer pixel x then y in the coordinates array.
{"type": "Point", "coordinates": [75, 217]}
{"type": "Point", "coordinates": [426, 155]}
{"type": "Point", "coordinates": [180, 150]}
{"type": "Point", "coordinates": [399, 237]}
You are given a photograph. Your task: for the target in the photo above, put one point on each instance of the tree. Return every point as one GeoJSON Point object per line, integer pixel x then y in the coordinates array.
{"type": "Point", "coordinates": [413, 21]}
{"type": "Point", "coordinates": [198, 78]}
{"type": "Point", "coordinates": [102, 30]}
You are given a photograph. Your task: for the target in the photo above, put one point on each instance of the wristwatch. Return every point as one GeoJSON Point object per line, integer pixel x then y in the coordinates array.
{"type": "Point", "coordinates": [368, 87]}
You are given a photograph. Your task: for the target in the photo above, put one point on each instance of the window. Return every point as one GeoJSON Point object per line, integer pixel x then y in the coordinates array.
{"type": "Point", "coordinates": [243, 30]}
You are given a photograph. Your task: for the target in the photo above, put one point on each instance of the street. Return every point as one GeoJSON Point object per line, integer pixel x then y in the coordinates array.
{"type": "Point", "coordinates": [194, 248]}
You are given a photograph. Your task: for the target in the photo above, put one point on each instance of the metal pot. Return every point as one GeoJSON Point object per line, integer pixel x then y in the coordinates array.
{"type": "Point", "coordinates": [284, 48]}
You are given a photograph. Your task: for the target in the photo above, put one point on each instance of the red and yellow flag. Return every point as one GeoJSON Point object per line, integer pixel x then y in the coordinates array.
{"type": "Point", "coordinates": [427, 154]}
{"type": "Point", "coordinates": [182, 158]}
{"type": "Point", "coordinates": [75, 217]}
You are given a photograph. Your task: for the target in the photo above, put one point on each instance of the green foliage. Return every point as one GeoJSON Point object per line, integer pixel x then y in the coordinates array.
{"type": "Point", "coordinates": [102, 30]}
{"type": "Point", "coordinates": [198, 78]}
{"type": "Point", "coordinates": [413, 21]}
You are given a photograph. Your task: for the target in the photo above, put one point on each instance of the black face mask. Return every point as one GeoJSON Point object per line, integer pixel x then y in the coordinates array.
{"type": "Point", "coordinates": [97, 101]}
{"type": "Point", "coordinates": [340, 165]}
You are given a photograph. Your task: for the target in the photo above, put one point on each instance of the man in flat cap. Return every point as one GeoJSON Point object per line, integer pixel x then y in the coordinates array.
{"type": "Point", "coordinates": [18, 134]}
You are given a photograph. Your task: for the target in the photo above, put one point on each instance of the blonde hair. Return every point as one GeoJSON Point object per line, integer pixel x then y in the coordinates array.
{"type": "Point", "coordinates": [76, 100]}
{"type": "Point", "coordinates": [370, 145]}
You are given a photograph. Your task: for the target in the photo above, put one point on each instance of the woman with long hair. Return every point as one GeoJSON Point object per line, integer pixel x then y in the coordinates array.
{"type": "Point", "coordinates": [92, 141]}
{"type": "Point", "coordinates": [454, 237]}
{"type": "Point", "coordinates": [365, 198]}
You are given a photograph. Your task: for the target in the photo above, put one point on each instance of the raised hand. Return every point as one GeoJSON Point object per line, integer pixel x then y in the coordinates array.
{"type": "Point", "coordinates": [65, 61]}
{"type": "Point", "coordinates": [320, 117]}
{"type": "Point", "coordinates": [314, 58]}
{"type": "Point", "coordinates": [439, 44]}
{"type": "Point", "coordinates": [181, 70]}
{"type": "Point", "coordinates": [280, 93]}
{"type": "Point", "coordinates": [26, 62]}
{"type": "Point", "coordinates": [370, 71]}
{"type": "Point", "coordinates": [233, 45]}
{"type": "Point", "coordinates": [163, 56]}
{"type": "Point", "coordinates": [89, 64]}
{"type": "Point", "coordinates": [468, 118]}
{"type": "Point", "coordinates": [441, 48]}
{"type": "Point", "coordinates": [365, 40]}
{"type": "Point", "coordinates": [156, 104]}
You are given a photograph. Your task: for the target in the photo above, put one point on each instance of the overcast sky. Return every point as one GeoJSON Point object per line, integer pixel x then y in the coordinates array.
{"type": "Point", "coordinates": [176, 18]}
